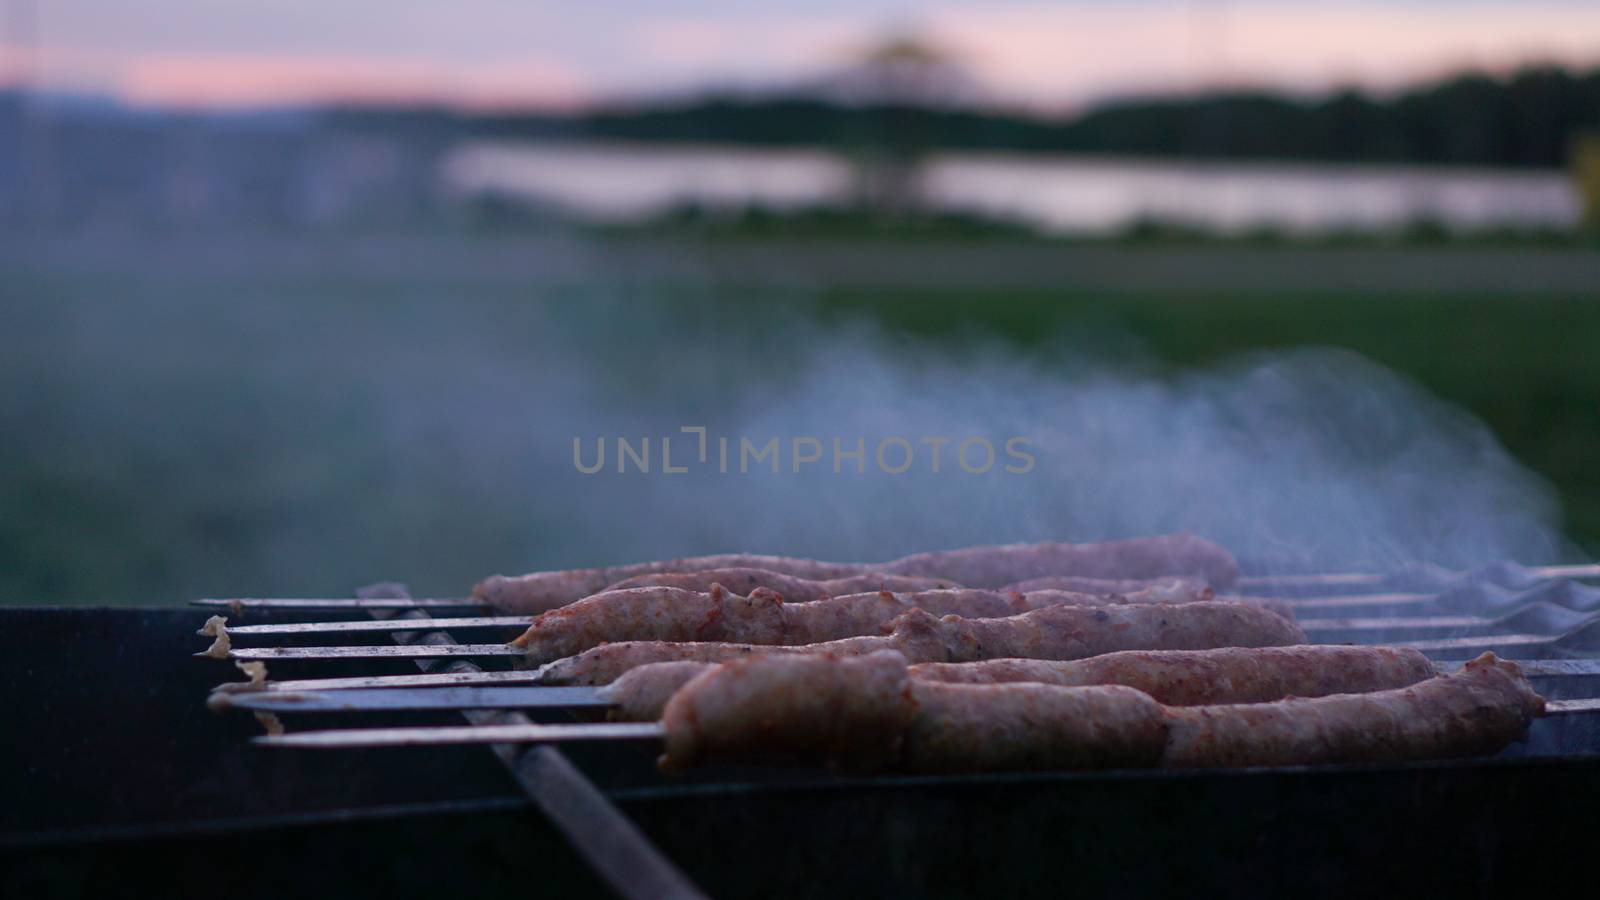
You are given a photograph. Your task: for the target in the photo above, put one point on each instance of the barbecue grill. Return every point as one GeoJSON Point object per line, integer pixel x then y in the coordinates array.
{"type": "Point", "coordinates": [125, 785]}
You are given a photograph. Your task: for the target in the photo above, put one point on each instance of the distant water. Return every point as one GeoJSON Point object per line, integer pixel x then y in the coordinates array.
{"type": "Point", "coordinates": [617, 182]}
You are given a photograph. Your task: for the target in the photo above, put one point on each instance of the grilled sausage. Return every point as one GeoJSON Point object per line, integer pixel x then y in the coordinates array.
{"type": "Point", "coordinates": [999, 727]}
{"type": "Point", "coordinates": [868, 713]}
{"type": "Point", "coordinates": [981, 567]}
{"type": "Point", "coordinates": [849, 711]}
{"type": "Point", "coordinates": [540, 591]}
{"type": "Point", "coordinates": [1197, 677]}
{"type": "Point", "coordinates": [1477, 710]}
{"type": "Point", "coordinates": [865, 713]}
{"type": "Point", "coordinates": [1056, 632]}
{"type": "Point", "coordinates": [657, 614]}
{"type": "Point", "coordinates": [792, 588]}
{"type": "Point", "coordinates": [1172, 677]}
{"type": "Point", "coordinates": [1137, 558]}
{"type": "Point", "coordinates": [672, 614]}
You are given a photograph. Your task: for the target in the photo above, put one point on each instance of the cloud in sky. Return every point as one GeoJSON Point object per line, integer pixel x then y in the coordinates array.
{"type": "Point", "coordinates": [212, 52]}
{"type": "Point", "coordinates": [1073, 54]}
{"type": "Point", "coordinates": [243, 80]}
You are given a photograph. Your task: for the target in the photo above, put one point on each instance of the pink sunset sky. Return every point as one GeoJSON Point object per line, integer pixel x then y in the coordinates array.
{"type": "Point", "coordinates": [529, 53]}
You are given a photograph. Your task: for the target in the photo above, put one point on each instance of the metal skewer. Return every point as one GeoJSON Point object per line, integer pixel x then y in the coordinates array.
{"type": "Point", "coordinates": [1399, 623]}
{"type": "Point", "coordinates": [384, 625]}
{"type": "Point", "coordinates": [1309, 625]}
{"type": "Point", "coordinates": [1476, 643]}
{"type": "Point", "coordinates": [338, 602]}
{"type": "Point", "coordinates": [396, 625]}
{"type": "Point", "coordinates": [336, 739]}
{"type": "Point", "coordinates": [1300, 604]}
{"type": "Point", "coordinates": [1365, 579]}
{"type": "Point", "coordinates": [1328, 579]}
{"type": "Point", "coordinates": [391, 625]}
{"type": "Point", "coordinates": [524, 697]}
{"type": "Point", "coordinates": [382, 651]}
{"type": "Point", "coordinates": [1353, 580]}
{"type": "Point", "coordinates": [1536, 615]}
{"type": "Point", "coordinates": [1533, 668]}
{"type": "Point", "coordinates": [1343, 579]}
{"type": "Point", "coordinates": [351, 603]}
{"type": "Point", "coordinates": [402, 693]}
{"type": "Point", "coordinates": [414, 699]}
{"type": "Point", "coordinates": [1393, 599]}
{"type": "Point", "coordinates": [387, 682]}
{"type": "Point", "coordinates": [1574, 570]}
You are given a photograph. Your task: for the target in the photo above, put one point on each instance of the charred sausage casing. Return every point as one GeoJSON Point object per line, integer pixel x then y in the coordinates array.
{"type": "Point", "coordinates": [655, 614]}
{"type": "Point", "coordinates": [981, 567]}
{"type": "Point", "coordinates": [1134, 558]}
{"type": "Point", "coordinates": [848, 711]}
{"type": "Point", "coordinates": [674, 614]}
{"type": "Point", "coordinates": [792, 588]}
{"type": "Point", "coordinates": [1477, 710]}
{"type": "Point", "coordinates": [1058, 632]}
{"type": "Point", "coordinates": [1172, 677]}
{"type": "Point", "coordinates": [1197, 677]}
{"type": "Point", "coordinates": [868, 712]}
{"type": "Point", "coordinates": [865, 713]}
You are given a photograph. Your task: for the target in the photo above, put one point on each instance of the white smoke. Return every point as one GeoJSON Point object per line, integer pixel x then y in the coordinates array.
{"type": "Point", "coordinates": [1314, 459]}
{"type": "Point", "coordinates": [263, 419]}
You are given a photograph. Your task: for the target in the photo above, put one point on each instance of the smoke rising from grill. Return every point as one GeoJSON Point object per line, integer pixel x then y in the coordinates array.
{"type": "Point", "coordinates": [1313, 459]}
{"type": "Point", "coordinates": [260, 419]}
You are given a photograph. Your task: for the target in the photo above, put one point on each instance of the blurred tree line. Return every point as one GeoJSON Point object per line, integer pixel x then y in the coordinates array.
{"type": "Point", "coordinates": [1526, 119]}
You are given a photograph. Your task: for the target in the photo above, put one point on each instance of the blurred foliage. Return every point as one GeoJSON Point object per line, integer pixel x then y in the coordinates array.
{"type": "Point", "coordinates": [832, 222]}
{"type": "Point", "coordinates": [1586, 173]}
{"type": "Point", "coordinates": [1525, 119]}
{"type": "Point", "coordinates": [824, 222]}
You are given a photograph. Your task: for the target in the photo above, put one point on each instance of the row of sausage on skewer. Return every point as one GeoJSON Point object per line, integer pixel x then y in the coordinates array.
{"type": "Point", "coordinates": [1028, 656]}
{"type": "Point", "coordinates": [1014, 680]}
{"type": "Point", "coordinates": [1091, 567]}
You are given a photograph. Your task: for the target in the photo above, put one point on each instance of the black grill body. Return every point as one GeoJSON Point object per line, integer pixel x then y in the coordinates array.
{"type": "Point", "coordinates": [120, 783]}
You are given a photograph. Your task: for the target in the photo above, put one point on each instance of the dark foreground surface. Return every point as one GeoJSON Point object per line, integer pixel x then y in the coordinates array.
{"type": "Point", "coordinates": [120, 783]}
